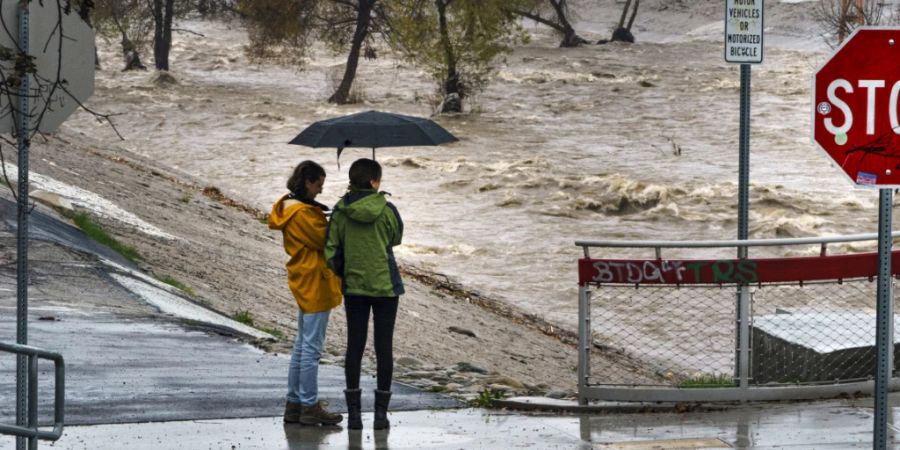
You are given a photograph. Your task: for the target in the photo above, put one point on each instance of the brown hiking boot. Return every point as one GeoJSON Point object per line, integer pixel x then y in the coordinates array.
{"type": "Point", "coordinates": [292, 412]}
{"type": "Point", "coordinates": [317, 414]}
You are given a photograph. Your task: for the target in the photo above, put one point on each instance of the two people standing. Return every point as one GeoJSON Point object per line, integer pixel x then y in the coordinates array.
{"type": "Point", "coordinates": [350, 255]}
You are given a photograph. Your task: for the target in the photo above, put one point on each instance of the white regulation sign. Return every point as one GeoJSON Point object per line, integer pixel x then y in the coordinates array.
{"type": "Point", "coordinates": [744, 31]}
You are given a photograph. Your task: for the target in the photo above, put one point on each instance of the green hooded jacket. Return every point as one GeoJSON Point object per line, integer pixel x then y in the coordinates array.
{"type": "Point", "coordinates": [363, 230]}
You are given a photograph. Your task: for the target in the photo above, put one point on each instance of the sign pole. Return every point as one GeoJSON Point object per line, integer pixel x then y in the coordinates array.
{"type": "Point", "coordinates": [743, 45]}
{"type": "Point", "coordinates": [743, 360]}
{"type": "Point", "coordinates": [884, 334]}
{"type": "Point", "coordinates": [744, 160]}
{"type": "Point", "coordinates": [22, 124]}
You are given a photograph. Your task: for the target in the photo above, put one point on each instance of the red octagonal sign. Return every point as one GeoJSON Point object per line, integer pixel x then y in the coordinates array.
{"type": "Point", "coordinates": [856, 116]}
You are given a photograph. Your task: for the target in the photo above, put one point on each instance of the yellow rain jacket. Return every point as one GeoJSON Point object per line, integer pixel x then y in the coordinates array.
{"type": "Point", "coordinates": [315, 287]}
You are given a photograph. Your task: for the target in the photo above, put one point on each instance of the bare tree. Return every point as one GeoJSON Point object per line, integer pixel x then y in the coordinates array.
{"type": "Point", "coordinates": [841, 17]}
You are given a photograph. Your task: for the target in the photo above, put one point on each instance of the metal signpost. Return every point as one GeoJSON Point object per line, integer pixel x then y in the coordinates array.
{"type": "Point", "coordinates": [744, 46]}
{"type": "Point", "coordinates": [65, 73]}
{"type": "Point", "coordinates": [22, 246]}
{"type": "Point", "coordinates": [855, 121]}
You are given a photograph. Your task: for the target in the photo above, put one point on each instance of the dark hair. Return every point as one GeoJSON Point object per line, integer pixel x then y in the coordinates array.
{"type": "Point", "coordinates": [362, 172]}
{"type": "Point", "coordinates": [305, 171]}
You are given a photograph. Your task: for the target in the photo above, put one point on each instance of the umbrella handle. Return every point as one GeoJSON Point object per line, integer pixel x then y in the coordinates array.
{"type": "Point", "coordinates": [373, 153]}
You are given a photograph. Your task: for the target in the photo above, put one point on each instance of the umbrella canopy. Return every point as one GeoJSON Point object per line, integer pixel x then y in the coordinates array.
{"type": "Point", "coordinates": [373, 129]}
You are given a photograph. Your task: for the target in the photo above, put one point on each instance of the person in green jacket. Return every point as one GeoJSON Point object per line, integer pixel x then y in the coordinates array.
{"type": "Point", "coordinates": [363, 230]}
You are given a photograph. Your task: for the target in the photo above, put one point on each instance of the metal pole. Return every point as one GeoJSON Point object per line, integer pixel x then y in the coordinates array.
{"type": "Point", "coordinates": [584, 342]}
{"type": "Point", "coordinates": [744, 160]}
{"type": "Point", "coordinates": [22, 239]}
{"type": "Point", "coordinates": [884, 335]}
{"type": "Point", "coordinates": [32, 399]}
{"type": "Point", "coordinates": [742, 359]}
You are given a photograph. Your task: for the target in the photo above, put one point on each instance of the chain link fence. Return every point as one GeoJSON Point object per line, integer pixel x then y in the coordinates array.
{"type": "Point", "coordinates": [815, 333]}
{"type": "Point", "coordinates": [685, 335]}
{"type": "Point", "coordinates": [809, 333]}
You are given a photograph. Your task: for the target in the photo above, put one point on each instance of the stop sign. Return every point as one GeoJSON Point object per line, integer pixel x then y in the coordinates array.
{"type": "Point", "coordinates": [855, 99]}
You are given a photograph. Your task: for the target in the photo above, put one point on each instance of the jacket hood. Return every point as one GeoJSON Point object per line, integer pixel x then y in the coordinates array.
{"type": "Point", "coordinates": [282, 213]}
{"type": "Point", "coordinates": [363, 206]}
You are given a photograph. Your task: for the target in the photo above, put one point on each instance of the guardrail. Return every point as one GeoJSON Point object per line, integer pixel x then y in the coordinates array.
{"type": "Point", "coordinates": [32, 431]}
{"type": "Point", "coordinates": [729, 329]}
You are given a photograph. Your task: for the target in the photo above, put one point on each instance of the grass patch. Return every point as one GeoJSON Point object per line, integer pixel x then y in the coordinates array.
{"type": "Point", "coordinates": [438, 389]}
{"type": "Point", "coordinates": [177, 284]}
{"type": "Point", "coordinates": [708, 381]}
{"type": "Point", "coordinates": [486, 398]}
{"type": "Point", "coordinates": [274, 332]}
{"type": "Point", "coordinates": [243, 316]}
{"type": "Point", "coordinates": [97, 233]}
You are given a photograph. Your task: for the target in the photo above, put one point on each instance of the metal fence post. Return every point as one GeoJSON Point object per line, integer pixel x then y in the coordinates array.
{"type": "Point", "coordinates": [744, 336]}
{"type": "Point", "coordinates": [584, 342]}
{"type": "Point", "coordinates": [884, 335]}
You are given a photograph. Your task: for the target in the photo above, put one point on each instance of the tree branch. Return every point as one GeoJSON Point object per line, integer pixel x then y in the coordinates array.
{"type": "Point", "coordinates": [537, 19]}
{"type": "Point", "coordinates": [182, 30]}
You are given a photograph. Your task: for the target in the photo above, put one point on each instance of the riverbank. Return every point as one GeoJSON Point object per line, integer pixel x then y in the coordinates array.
{"type": "Point", "coordinates": [223, 256]}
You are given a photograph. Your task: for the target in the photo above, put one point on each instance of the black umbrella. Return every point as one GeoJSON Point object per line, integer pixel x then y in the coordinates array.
{"type": "Point", "coordinates": [373, 129]}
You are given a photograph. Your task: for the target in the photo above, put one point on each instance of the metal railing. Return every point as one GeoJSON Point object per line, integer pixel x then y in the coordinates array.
{"type": "Point", "coordinates": [32, 431]}
{"type": "Point", "coordinates": [809, 330]}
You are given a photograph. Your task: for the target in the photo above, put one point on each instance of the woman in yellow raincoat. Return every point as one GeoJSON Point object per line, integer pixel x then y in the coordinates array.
{"type": "Point", "coordinates": [316, 288]}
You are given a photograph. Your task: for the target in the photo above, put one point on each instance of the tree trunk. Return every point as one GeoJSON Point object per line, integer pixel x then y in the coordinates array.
{"type": "Point", "coordinates": [162, 33]}
{"type": "Point", "coordinates": [131, 55]}
{"type": "Point", "coordinates": [570, 38]}
{"type": "Point", "coordinates": [633, 14]}
{"type": "Point", "coordinates": [453, 92]}
{"type": "Point", "coordinates": [623, 33]}
{"type": "Point", "coordinates": [363, 17]}
{"type": "Point", "coordinates": [624, 14]}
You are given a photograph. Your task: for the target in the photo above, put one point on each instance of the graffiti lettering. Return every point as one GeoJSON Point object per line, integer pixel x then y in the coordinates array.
{"type": "Point", "coordinates": [675, 272]}
{"type": "Point", "coordinates": [638, 271]}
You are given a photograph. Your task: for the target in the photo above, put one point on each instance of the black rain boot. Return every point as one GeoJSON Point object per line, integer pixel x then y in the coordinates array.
{"type": "Point", "coordinates": [382, 400]}
{"type": "Point", "coordinates": [354, 408]}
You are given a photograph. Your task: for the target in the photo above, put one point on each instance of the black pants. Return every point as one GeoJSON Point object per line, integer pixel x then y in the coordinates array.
{"type": "Point", "coordinates": [384, 311]}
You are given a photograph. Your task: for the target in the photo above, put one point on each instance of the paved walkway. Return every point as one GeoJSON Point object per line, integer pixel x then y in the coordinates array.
{"type": "Point", "coordinates": [825, 425]}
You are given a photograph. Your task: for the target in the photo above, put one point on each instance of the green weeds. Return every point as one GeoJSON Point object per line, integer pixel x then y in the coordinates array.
{"type": "Point", "coordinates": [97, 233]}
{"type": "Point", "coordinates": [708, 381]}
{"type": "Point", "coordinates": [243, 316]}
{"type": "Point", "coordinates": [486, 398]}
{"type": "Point", "coordinates": [177, 284]}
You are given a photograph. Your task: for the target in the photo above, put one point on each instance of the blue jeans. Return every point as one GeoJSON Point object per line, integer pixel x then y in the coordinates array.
{"type": "Point", "coordinates": [303, 372]}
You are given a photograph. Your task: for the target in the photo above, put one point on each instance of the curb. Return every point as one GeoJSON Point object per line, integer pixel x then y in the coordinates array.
{"type": "Point", "coordinates": [545, 404]}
